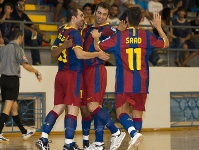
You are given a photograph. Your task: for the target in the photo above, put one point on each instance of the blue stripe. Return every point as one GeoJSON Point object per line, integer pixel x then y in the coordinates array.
{"type": "Point", "coordinates": [97, 79]}
{"type": "Point", "coordinates": [136, 73]}
{"type": "Point", "coordinates": [91, 48]}
{"type": "Point", "coordinates": [77, 90]}
{"type": "Point", "coordinates": [119, 69]}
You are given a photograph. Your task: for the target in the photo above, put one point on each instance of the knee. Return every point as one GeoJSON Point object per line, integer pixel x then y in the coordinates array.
{"type": "Point", "coordinates": [84, 111]}
{"type": "Point", "coordinates": [14, 110]}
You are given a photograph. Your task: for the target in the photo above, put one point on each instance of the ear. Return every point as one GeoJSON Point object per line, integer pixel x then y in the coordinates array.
{"type": "Point", "coordinates": [127, 19]}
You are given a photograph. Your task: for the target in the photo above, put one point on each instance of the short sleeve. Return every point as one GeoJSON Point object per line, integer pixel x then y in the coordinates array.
{"type": "Point", "coordinates": [109, 44]}
{"type": "Point", "coordinates": [20, 56]}
{"type": "Point", "coordinates": [155, 41]}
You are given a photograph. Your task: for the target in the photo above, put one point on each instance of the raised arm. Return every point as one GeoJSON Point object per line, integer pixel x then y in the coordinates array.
{"type": "Point", "coordinates": [156, 22]}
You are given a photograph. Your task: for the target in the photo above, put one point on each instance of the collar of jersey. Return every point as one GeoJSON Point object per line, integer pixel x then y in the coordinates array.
{"type": "Point", "coordinates": [68, 27]}
{"type": "Point", "coordinates": [131, 28]}
{"type": "Point", "coordinates": [101, 24]}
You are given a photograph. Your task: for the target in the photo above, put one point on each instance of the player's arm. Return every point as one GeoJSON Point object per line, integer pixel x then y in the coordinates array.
{"type": "Point", "coordinates": [108, 44]}
{"type": "Point", "coordinates": [156, 22]}
{"type": "Point", "coordinates": [31, 69]}
{"type": "Point", "coordinates": [56, 51]}
{"type": "Point", "coordinates": [88, 55]}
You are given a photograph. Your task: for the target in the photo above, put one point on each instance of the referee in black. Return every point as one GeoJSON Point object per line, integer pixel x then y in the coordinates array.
{"type": "Point", "coordinates": [11, 57]}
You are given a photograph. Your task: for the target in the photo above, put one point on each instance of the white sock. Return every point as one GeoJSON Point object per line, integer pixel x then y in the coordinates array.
{"type": "Point", "coordinates": [44, 135]}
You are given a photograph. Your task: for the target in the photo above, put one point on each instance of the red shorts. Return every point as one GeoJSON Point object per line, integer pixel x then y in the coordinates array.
{"type": "Point", "coordinates": [67, 88]}
{"type": "Point", "coordinates": [94, 83]}
{"type": "Point", "coordinates": [137, 101]}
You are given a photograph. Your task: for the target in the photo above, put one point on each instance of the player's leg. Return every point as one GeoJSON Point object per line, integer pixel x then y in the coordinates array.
{"type": "Point", "coordinates": [4, 118]}
{"type": "Point", "coordinates": [122, 104]}
{"type": "Point", "coordinates": [9, 93]}
{"type": "Point", "coordinates": [70, 124]}
{"type": "Point", "coordinates": [26, 133]}
{"type": "Point", "coordinates": [86, 123]}
{"type": "Point", "coordinates": [52, 116]}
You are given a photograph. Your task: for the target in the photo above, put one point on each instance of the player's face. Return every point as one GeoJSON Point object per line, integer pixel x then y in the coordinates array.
{"type": "Point", "coordinates": [20, 6]}
{"type": "Point", "coordinates": [101, 15]}
{"type": "Point", "coordinates": [114, 11]}
{"type": "Point", "coordinates": [80, 19]}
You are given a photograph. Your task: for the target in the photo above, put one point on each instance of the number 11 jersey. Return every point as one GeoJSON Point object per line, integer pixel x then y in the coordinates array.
{"type": "Point", "coordinates": [132, 48]}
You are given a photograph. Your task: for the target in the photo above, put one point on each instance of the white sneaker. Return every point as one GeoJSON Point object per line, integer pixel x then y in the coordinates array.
{"type": "Point", "coordinates": [161, 62]}
{"type": "Point", "coordinates": [135, 141]}
{"type": "Point", "coordinates": [29, 133]}
{"type": "Point", "coordinates": [117, 140]}
{"type": "Point", "coordinates": [94, 146]}
{"type": "Point", "coordinates": [3, 140]}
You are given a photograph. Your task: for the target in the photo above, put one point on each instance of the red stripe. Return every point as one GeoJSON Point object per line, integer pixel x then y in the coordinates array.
{"type": "Point", "coordinates": [137, 119]}
{"type": "Point", "coordinates": [54, 114]}
{"type": "Point", "coordinates": [86, 118]}
{"type": "Point", "coordinates": [96, 111]}
{"type": "Point", "coordinates": [121, 115]}
{"type": "Point", "coordinates": [71, 116]}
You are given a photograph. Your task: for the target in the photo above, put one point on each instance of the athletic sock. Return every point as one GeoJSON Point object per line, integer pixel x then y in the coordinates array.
{"type": "Point", "coordinates": [105, 118]}
{"type": "Point", "coordinates": [17, 120]}
{"type": "Point", "coordinates": [138, 124]}
{"type": "Point", "coordinates": [48, 124]}
{"type": "Point", "coordinates": [3, 118]}
{"type": "Point", "coordinates": [86, 123]}
{"type": "Point", "coordinates": [70, 124]}
{"type": "Point", "coordinates": [127, 123]}
{"type": "Point", "coordinates": [99, 130]}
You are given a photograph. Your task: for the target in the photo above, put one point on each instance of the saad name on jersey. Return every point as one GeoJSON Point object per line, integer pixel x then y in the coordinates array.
{"type": "Point", "coordinates": [131, 40]}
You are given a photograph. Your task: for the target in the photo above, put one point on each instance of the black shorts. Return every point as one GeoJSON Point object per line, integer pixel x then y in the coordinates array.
{"type": "Point", "coordinates": [192, 45]}
{"type": "Point", "coordinates": [9, 87]}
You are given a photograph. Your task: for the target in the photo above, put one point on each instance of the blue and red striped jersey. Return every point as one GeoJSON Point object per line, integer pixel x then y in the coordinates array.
{"type": "Point", "coordinates": [67, 59]}
{"type": "Point", "coordinates": [132, 48]}
{"type": "Point", "coordinates": [88, 42]}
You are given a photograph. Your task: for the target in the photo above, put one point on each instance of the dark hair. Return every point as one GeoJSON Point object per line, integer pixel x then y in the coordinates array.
{"type": "Point", "coordinates": [8, 4]}
{"type": "Point", "coordinates": [166, 14]}
{"type": "Point", "coordinates": [134, 15]}
{"type": "Point", "coordinates": [182, 8]}
{"type": "Point", "coordinates": [19, 1]}
{"type": "Point", "coordinates": [103, 5]}
{"type": "Point", "coordinates": [71, 12]}
{"type": "Point", "coordinates": [114, 5]}
{"type": "Point", "coordinates": [16, 33]}
{"type": "Point", "coordinates": [87, 5]}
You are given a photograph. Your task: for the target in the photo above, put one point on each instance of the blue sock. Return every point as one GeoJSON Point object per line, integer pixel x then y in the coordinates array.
{"type": "Point", "coordinates": [99, 130]}
{"type": "Point", "coordinates": [104, 117]}
{"type": "Point", "coordinates": [86, 124]}
{"type": "Point", "coordinates": [127, 123]}
{"type": "Point", "coordinates": [138, 124]}
{"type": "Point", "coordinates": [70, 124]}
{"type": "Point", "coordinates": [49, 123]}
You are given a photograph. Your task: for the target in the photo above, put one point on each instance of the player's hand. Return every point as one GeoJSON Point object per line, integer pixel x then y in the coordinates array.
{"type": "Point", "coordinates": [122, 25]}
{"type": "Point", "coordinates": [95, 33]}
{"type": "Point", "coordinates": [156, 22]}
{"type": "Point", "coordinates": [103, 55]}
{"type": "Point", "coordinates": [67, 43]}
{"type": "Point", "coordinates": [39, 76]}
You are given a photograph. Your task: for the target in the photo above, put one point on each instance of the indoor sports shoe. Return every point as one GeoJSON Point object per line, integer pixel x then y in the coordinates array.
{"type": "Point", "coordinates": [117, 140]}
{"type": "Point", "coordinates": [86, 145]}
{"type": "Point", "coordinates": [2, 139]}
{"type": "Point", "coordinates": [135, 141]}
{"type": "Point", "coordinates": [75, 147]}
{"type": "Point", "coordinates": [29, 133]}
{"type": "Point", "coordinates": [42, 145]}
{"type": "Point", "coordinates": [94, 146]}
